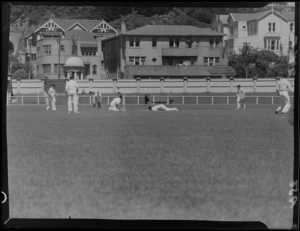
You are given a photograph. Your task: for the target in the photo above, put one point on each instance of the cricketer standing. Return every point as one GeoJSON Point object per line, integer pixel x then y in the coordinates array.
{"type": "Point", "coordinates": [52, 97]}
{"type": "Point", "coordinates": [283, 89]}
{"type": "Point", "coordinates": [240, 97]}
{"type": "Point", "coordinates": [71, 92]}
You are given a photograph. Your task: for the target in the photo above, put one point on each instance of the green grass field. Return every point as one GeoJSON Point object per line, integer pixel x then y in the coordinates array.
{"type": "Point", "coordinates": [201, 163]}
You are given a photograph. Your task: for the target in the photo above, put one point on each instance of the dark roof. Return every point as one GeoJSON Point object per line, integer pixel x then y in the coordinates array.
{"type": "Point", "coordinates": [257, 16]}
{"type": "Point", "coordinates": [173, 30]}
{"type": "Point", "coordinates": [67, 23]}
{"type": "Point", "coordinates": [79, 34]}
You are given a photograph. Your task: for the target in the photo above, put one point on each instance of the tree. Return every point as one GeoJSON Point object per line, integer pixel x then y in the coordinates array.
{"type": "Point", "coordinates": [263, 60]}
{"type": "Point", "coordinates": [20, 74]}
{"type": "Point", "coordinates": [243, 63]}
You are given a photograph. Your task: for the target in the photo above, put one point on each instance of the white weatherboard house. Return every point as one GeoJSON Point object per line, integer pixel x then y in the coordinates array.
{"type": "Point", "coordinates": [267, 30]}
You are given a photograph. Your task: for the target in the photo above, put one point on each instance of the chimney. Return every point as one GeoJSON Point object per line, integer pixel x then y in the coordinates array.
{"type": "Point", "coordinates": [123, 27]}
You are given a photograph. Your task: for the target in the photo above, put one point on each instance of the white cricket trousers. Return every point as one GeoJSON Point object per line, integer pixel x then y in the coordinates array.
{"type": "Point", "coordinates": [285, 102]}
{"type": "Point", "coordinates": [113, 108]}
{"type": "Point", "coordinates": [53, 103]}
{"type": "Point", "coordinates": [72, 99]}
{"type": "Point", "coordinates": [163, 107]}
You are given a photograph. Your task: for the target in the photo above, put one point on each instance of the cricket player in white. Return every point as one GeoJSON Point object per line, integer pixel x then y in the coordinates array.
{"type": "Point", "coordinates": [283, 89]}
{"type": "Point", "coordinates": [240, 98]}
{"type": "Point", "coordinates": [52, 97]}
{"type": "Point", "coordinates": [114, 104]}
{"type": "Point", "coordinates": [71, 92]}
{"type": "Point", "coordinates": [47, 100]}
{"type": "Point", "coordinates": [161, 107]}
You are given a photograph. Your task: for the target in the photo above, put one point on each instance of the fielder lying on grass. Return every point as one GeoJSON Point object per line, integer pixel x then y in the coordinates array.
{"type": "Point", "coordinates": [161, 107]}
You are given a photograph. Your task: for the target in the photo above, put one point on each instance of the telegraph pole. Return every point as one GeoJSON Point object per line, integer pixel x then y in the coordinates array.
{"type": "Point", "coordinates": [59, 42]}
{"type": "Point", "coordinates": [246, 45]}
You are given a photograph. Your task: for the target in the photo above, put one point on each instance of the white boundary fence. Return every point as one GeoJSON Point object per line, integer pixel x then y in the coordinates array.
{"type": "Point", "coordinates": [139, 100]}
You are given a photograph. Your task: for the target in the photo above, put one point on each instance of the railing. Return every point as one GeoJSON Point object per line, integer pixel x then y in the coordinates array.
{"type": "Point", "coordinates": [139, 100]}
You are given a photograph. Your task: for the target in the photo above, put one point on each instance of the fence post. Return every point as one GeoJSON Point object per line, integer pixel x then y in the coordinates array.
{"type": "Point", "coordinates": [208, 84]}
{"type": "Point", "coordinates": [256, 99]}
{"type": "Point", "coordinates": [182, 100]}
{"type": "Point", "coordinates": [197, 100]}
{"type": "Point", "coordinates": [272, 100]}
{"type": "Point", "coordinates": [22, 100]}
{"type": "Point", "coordinates": [277, 81]}
{"type": "Point", "coordinates": [18, 86]}
{"type": "Point", "coordinates": [114, 85]}
{"type": "Point", "coordinates": [227, 100]}
{"type": "Point", "coordinates": [212, 100]}
{"type": "Point", "coordinates": [231, 83]}
{"type": "Point", "coordinates": [162, 80]}
{"type": "Point", "coordinates": [138, 81]}
{"type": "Point", "coordinates": [38, 100]}
{"type": "Point", "coordinates": [185, 79]}
{"type": "Point", "coordinates": [107, 100]}
{"type": "Point", "coordinates": [138, 101]}
{"type": "Point", "coordinates": [254, 84]}
{"type": "Point", "coordinates": [42, 84]}
{"type": "Point", "coordinates": [153, 99]}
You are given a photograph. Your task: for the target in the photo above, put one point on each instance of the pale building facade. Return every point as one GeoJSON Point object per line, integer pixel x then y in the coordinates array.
{"type": "Point", "coordinates": [155, 51]}
{"type": "Point", "coordinates": [57, 40]}
{"type": "Point", "coordinates": [268, 30]}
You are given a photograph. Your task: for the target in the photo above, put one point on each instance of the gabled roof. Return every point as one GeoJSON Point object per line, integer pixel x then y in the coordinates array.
{"type": "Point", "coordinates": [289, 15]}
{"type": "Point", "coordinates": [173, 30]}
{"type": "Point", "coordinates": [67, 23]}
{"type": "Point", "coordinates": [257, 16]}
{"type": "Point", "coordinates": [79, 34]}
{"type": "Point", "coordinates": [223, 18]}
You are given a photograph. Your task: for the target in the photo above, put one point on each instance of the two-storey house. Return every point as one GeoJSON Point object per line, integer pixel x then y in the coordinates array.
{"type": "Point", "coordinates": [168, 51]}
{"type": "Point", "coordinates": [57, 40]}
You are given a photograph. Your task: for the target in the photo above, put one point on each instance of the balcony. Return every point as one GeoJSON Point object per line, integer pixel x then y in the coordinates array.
{"type": "Point", "coordinates": [179, 52]}
{"type": "Point", "coordinates": [272, 35]}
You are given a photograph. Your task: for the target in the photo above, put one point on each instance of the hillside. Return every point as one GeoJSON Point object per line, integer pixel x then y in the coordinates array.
{"type": "Point", "coordinates": [133, 16]}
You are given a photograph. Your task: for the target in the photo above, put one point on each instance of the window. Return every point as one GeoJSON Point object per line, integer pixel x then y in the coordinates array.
{"type": "Point", "coordinates": [269, 26]}
{"type": "Point", "coordinates": [89, 51]}
{"type": "Point", "coordinates": [38, 51]}
{"type": "Point", "coordinates": [33, 57]}
{"type": "Point", "coordinates": [273, 26]}
{"type": "Point", "coordinates": [47, 68]}
{"type": "Point", "coordinates": [174, 42]}
{"type": "Point", "coordinates": [94, 67]}
{"type": "Point", "coordinates": [137, 61]}
{"type": "Point", "coordinates": [171, 42]}
{"type": "Point", "coordinates": [47, 49]}
{"type": "Point", "coordinates": [211, 61]}
{"type": "Point", "coordinates": [189, 42]}
{"type": "Point", "coordinates": [131, 60]}
{"type": "Point", "coordinates": [131, 42]}
{"type": "Point", "coordinates": [217, 60]}
{"type": "Point", "coordinates": [134, 42]}
{"type": "Point", "coordinates": [102, 64]}
{"type": "Point", "coordinates": [38, 69]}
{"type": "Point", "coordinates": [154, 42]}
{"type": "Point", "coordinates": [217, 42]}
{"type": "Point", "coordinates": [61, 69]}
{"type": "Point", "coordinates": [292, 27]}
{"type": "Point", "coordinates": [205, 61]}
{"type": "Point", "coordinates": [87, 69]}
{"type": "Point", "coordinates": [212, 42]}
